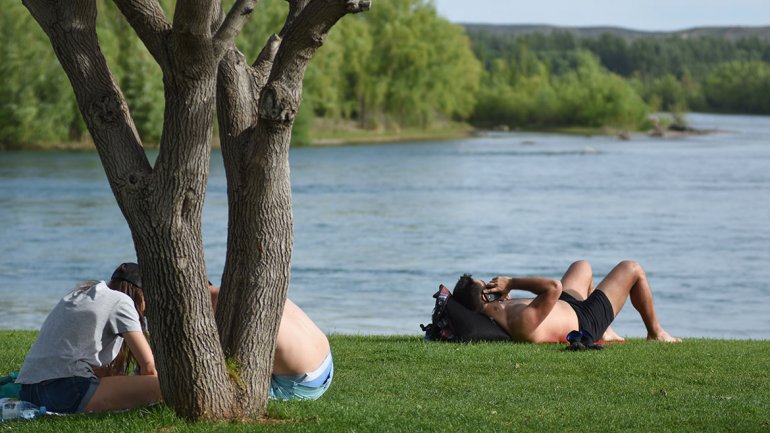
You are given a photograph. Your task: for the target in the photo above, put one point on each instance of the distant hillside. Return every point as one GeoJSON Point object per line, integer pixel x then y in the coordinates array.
{"type": "Point", "coordinates": [729, 33]}
{"type": "Point", "coordinates": [720, 69]}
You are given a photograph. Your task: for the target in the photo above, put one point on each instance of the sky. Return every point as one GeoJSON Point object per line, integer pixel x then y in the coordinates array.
{"type": "Point", "coordinates": [633, 14]}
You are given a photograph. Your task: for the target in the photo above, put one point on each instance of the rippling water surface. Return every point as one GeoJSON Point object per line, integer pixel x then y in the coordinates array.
{"type": "Point", "coordinates": [378, 227]}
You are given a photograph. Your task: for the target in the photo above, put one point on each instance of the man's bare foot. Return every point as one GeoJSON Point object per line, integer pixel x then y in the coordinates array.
{"type": "Point", "coordinates": [663, 336]}
{"type": "Point", "coordinates": [611, 335]}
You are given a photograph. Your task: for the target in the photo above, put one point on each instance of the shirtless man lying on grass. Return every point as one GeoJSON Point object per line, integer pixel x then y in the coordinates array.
{"type": "Point", "coordinates": [562, 306]}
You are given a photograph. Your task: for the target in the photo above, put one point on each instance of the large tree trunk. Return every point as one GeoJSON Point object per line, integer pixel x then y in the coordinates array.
{"type": "Point", "coordinates": [169, 238]}
{"type": "Point", "coordinates": [255, 146]}
{"type": "Point", "coordinates": [205, 372]}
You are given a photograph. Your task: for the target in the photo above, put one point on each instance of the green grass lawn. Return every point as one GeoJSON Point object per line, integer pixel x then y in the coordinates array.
{"type": "Point", "coordinates": [403, 384]}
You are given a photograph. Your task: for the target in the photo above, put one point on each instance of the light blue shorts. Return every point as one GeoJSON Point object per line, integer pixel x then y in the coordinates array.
{"type": "Point", "coordinates": [309, 386]}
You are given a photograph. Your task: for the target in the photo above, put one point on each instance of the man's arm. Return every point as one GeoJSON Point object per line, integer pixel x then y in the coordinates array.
{"type": "Point", "coordinates": [547, 292]}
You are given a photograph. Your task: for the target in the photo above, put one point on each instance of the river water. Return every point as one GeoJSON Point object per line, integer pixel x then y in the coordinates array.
{"type": "Point", "coordinates": [378, 227]}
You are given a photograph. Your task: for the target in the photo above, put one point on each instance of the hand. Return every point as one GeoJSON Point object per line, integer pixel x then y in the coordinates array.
{"type": "Point", "coordinates": [499, 285]}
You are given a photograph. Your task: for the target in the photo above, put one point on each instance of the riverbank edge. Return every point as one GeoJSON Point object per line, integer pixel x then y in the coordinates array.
{"type": "Point", "coordinates": [320, 139]}
{"type": "Point", "coordinates": [453, 132]}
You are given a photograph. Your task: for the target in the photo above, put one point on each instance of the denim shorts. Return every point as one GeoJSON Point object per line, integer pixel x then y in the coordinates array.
{"type": "Point", "coordinates": [310, 386]}
{"type": "Point", "coordinates": [64, 395]}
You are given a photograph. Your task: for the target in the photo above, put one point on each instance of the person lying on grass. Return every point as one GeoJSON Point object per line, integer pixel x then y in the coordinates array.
{"type": "Point", "coordinates": [79, 361]}
{"type": "Point", "coordinates": [302, 366]}
{"type": "Point", "coordinates": [560, 307]}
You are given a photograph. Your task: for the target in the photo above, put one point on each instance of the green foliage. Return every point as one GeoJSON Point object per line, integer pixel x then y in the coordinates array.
{"type": "Point", "coordinates": [399, 66]}
{"type": "Point", "coordinates": [396, 384]}
{"type": "Point", "coordinates": [136, 72]}
{"type": "Point", "coordinates": [266, 20]}
{"type": "Point", "coordinates": [668, 92]}
{"type": "Point", "coordinates": [740, 86]}
{"type": "Point", "coordinates": [420, 68]}
{"type": "Point", "coordinates": [336, 79]}
{"type": "Point", "coordinates": [523, 92]}
{"type": "Point", "coordinates": [301, 132]}
{"type": "Point", "coordinates": [36, 101]}
{"type": "Point", "coordinates": [672, 73]}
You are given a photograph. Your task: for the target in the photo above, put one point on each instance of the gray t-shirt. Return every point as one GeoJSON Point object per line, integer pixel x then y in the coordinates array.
{"type": "Point", "coordinates": [81, 333]}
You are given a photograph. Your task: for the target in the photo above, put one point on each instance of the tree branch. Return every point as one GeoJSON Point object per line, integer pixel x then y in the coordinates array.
{"type": "Point", "coordinates": [194, 16]}
{"type": "Point", "coordinates": [238, 90]}
{"type": "Point", "coordinates": [233, 24]}
{"type": "Point", "coordinates": [150, 24]}
{"type": "Point", "coordinates": [218, 17]}
{"type": "Point", "coordinates": [295, 7]}
{"type": "Point", "coordinates": [71, 28]}
{"type": "Point", "coordinates": [192, 24]}
{"type": "Point", "coordinates": [302, 37]}
{"type": "Point", "coordinates": [264, 62]}
{"type": "Point", "coordinates": [357, 6]}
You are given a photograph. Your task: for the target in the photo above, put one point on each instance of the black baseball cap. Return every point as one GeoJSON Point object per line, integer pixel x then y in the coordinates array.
{"type": "Point", "coordinates": [128, 272]}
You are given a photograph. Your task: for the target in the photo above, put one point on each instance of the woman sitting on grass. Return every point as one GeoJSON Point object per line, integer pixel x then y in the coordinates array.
{"type": "Point", "coordinates": [79, 361]}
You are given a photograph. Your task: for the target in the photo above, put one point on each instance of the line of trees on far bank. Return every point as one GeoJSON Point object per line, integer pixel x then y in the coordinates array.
{"type": "Point", "coordinates": [671, 73]}
{"type": "Point", "coordinates": [402, 66]}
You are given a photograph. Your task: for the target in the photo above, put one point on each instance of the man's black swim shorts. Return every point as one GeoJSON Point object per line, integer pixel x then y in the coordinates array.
{"type": "Point", "coordinates": [594, 314]}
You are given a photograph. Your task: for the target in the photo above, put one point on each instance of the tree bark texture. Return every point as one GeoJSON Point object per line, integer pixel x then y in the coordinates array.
{"type": "Point", "coordinates": [208, 368]}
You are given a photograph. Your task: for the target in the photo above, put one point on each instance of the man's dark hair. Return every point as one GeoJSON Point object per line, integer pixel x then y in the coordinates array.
{"type": "Point", "coordinates": [468, 293]}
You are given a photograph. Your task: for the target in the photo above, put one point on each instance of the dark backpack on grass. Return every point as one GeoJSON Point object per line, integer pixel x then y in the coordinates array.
{"type": "Point", "coordinates": [440, 328]}
{"type": "Point", "coordinates": [451, 321]}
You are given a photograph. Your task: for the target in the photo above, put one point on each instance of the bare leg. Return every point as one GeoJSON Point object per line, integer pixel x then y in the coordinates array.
{"type": "Point", "coordinates": [124, 392]}
{"type": "Point", "coordinates": [578, 281]}
{"type": "Point", "coordinates": [628, 279]}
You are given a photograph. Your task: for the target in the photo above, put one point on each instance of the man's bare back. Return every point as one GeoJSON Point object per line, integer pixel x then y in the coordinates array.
{"type": "Point", "coordinates": [300, 346]}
